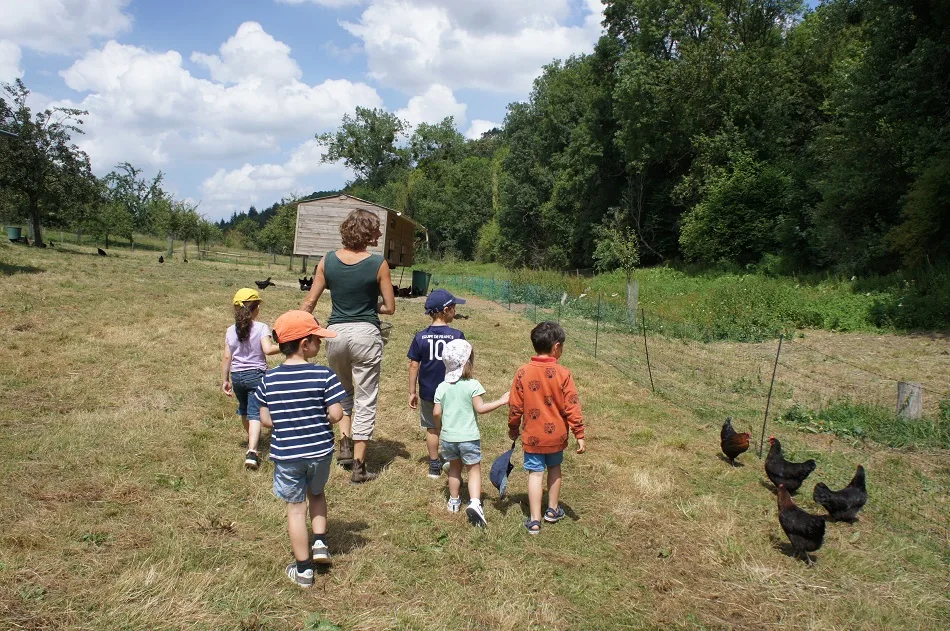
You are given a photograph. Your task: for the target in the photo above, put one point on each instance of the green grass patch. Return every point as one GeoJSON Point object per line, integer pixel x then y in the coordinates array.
{"type": "Point", "coordinates": [875, 423]}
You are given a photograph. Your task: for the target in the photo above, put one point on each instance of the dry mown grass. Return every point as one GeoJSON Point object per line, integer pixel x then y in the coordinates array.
{"type": "Point", "coordinates": [125, 504]}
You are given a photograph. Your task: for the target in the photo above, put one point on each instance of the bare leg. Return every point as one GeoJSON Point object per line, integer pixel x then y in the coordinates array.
{"type": "Point", "coordinates": [297, 530]}
{"type": "Point", "coordinates": [253, 435]}
{"type": "Point", "coordinates": [474, 472]}
{"type": "Point", "coordinates": [359, 450]}
{"type": "Point", "coordinates": [244, 422]}
{"type": "Point", "coordinates": [535, 482]}
{"type": "Point", "coordinates": [346, 426]}
{"type": "Point", "coordinates": [554, 486]}
{"type": "Point", "coordinates": [318, 513]}
{"type": "Point", "coordinates": [432, 443]}
{"type": "Point", "coordinates": [455, 478]}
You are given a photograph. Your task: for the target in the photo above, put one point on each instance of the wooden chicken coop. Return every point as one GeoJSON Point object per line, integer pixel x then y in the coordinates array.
{"type": "Point", "coordinates": [318, 228]}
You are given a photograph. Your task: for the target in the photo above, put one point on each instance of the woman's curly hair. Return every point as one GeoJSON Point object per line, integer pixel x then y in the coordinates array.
{"type": "Point", "coordinates": [359, 229]}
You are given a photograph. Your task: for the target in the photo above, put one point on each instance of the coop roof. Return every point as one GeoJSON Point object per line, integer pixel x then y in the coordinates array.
{"type": "Point", "coordinates": [398, 213]}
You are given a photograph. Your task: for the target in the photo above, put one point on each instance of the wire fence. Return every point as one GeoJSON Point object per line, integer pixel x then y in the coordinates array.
{"type": "Point", "coordinates": [715, 379]}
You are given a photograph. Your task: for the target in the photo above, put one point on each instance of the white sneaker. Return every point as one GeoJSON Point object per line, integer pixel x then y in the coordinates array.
{"type": "Point", "coordinates": [321, 553]}
{"type": "Point", "coordinates": [454, 504]}
{"type": "Point", "coordinates": [304, 579]}
{"type": "Point", "coordinates": [475, 515]}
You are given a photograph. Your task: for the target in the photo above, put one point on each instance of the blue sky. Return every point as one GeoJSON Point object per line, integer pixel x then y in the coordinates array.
{"type": "Point", "coordinates": [225, 96]}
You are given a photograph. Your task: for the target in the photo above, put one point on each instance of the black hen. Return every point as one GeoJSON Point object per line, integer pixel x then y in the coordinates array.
{"type": "Point", "coordinates": [805, 531]}
{"type": "Point", "coordinates": [305, 283]}
{"type": "Point", "coordinates": [264, 284]}
{"type": "Point", "coordinates": [781, 471]}
{"type": "Point", "coordinates": [102, 252]}
{"type": "Point", "coordinates": [161, 259]}
{"type": "Point", "coordinates": [732, 443]}
{"type": "Point", "coordinates": [843, 505]}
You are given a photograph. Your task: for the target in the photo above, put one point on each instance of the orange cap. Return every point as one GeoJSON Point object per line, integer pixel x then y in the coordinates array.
{"type": "Point", "coordinates": [296, 325]}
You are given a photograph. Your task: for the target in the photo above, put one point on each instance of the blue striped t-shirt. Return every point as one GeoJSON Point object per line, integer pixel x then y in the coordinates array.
{"type": "Point", "coordinates": [297, 397]}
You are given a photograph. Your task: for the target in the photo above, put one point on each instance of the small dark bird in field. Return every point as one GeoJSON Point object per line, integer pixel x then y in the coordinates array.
{"type": "Point", "coordinates": [102, 252]}
{"type": "Point", "coordinates": [733, 444]}
{"type": "Point", "coordinates": [843, 505]}
{"type": "Point", "coordinates": [781, 471]}
{"type": "Point", "coordinates": [52, 245]}
{"type": "Point", "coordinates": [805, 531]}
{"type": "Point", "coordinates": [461, 317]}
{"type": "Point", "coordinates": [404, 292]}
{"type": "Point", "coordinates": [161, 259]}
{"type": "Point", "coordinates": [305, 283]}
{"type": "Point", "coordinates": [264, 284]}
{"type": "Point", "coordinates": [184, 260]}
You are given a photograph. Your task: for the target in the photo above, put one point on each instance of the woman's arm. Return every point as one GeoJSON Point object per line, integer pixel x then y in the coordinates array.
{"type": "Point", "coordinates": [316, 290]}
{"type": "Point", "coordinates": [385, 280]}
{"type": "Point", "coordinates": [226, 371]}
{"type": "Point", "coordinates": [484, 408]}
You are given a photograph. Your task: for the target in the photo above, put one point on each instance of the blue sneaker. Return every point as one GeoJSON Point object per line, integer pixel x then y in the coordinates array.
{"type": "Point", "coordinates": [553, 516]}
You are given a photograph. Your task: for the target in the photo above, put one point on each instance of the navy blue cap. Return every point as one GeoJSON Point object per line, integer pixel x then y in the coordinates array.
{"type": "Point", "coordinates": [439, 299]}
{"type": "Point", "coordinates": [500, 469]}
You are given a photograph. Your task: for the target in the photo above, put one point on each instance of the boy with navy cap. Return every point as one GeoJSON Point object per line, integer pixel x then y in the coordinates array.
{"type": "Point", "coordinates": [426, 367]}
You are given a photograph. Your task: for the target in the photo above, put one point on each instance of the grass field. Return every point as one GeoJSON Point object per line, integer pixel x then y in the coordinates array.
{"type": "Point", "coordinates": [126, 506]}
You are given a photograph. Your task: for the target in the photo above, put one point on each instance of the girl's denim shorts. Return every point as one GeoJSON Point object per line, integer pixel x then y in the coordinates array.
{"type": "Point", "coordinates": [244, 383]}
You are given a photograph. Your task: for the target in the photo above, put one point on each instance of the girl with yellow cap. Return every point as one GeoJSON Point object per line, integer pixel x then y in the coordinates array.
{"type": "Point", "coordinates": [246, 345]}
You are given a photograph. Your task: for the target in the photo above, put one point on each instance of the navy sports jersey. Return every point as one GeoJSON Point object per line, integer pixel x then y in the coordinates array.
{"type": "Point", "coordinates": [297, 397]}
{"type": "Point", "coordinates": [426, 348]}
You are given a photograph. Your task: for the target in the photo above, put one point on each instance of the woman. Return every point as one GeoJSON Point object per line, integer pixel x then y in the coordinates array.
{"type": "Point", "coordinates": [356, 279]}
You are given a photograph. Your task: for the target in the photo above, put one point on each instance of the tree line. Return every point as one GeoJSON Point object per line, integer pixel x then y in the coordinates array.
{"type": "Point", "coordinates": [752, 132]}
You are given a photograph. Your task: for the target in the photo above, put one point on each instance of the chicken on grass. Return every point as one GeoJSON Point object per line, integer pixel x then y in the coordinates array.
{"type": "Point", "coordinates": [781, 471]}
{"type": "Point", "coordinates": [843, 505]}
{"type": "Point", "coordinates": [264, 284]}
{"type": "Point", "coordinates": [805, 531]}
{"type": "Point", "coordinates": [733, 444]}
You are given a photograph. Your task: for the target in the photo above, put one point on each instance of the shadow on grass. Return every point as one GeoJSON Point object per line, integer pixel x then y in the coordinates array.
{"type": "Point", "coordinates": [726, 460]}
{"type": "Point", "coordinates": [520, 500]}
{"type": "Point", "coordinates": [786, 548]}
{"type": "Point", "coordinates": [382, 452]}
{"type": "Point", "coordinates": [7, 269]}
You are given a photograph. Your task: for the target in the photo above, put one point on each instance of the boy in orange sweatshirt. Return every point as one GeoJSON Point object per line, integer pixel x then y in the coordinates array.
{"type": "Point", "coordinates": [542, 407]}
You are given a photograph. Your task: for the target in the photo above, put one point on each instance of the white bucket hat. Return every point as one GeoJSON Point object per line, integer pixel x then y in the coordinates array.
{"type": "Point", "coordinates": [455, 355]}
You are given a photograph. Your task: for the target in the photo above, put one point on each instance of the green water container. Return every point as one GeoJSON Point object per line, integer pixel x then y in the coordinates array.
{"type": "Point", "coordinates": [420, 282]}
{"type": "Point", "coordinates": [13, 232]}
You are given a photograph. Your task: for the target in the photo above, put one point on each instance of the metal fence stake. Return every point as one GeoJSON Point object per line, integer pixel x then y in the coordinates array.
{"type": "Point", "coordinates": [768, 401]}
{"type": "Point", "coordinates": [509, 295]}
{"type": "Point", "coordinates": [597, 330]}
{"type": "Point", "coordinates": [643, 325]}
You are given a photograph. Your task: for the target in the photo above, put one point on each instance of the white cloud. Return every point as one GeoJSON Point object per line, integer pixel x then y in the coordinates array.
{"type": "Point", "coordinates": [494, 45]}
{"type": "Point", "coordinates": [479, 127]}
{"type": "Point", "coordinates": [256, 184]}
{"type": "Point", "coordinates": [9, 61]}
{"type": "Point", "coordinates": [146, 107]}
{"type": "Point", "coordinates": [60, 26]}
{"type": "Point", "coordinates": [432, 106]}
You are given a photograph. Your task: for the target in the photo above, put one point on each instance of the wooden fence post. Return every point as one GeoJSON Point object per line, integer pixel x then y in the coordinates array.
{"type": "Point", "coordinates": [910, 399]}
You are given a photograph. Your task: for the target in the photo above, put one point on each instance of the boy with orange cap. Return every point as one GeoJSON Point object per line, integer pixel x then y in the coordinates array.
{"type": "Point", "coordinates": [302, 402]}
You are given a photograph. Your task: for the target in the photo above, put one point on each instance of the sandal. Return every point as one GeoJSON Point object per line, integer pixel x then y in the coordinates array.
{"type": "Point", "coordinates": [533, 526]}
{"type": "Point", "coordinates": [554, 516]}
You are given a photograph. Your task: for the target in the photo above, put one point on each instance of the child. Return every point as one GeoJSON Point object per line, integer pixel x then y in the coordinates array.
{"type": "Point", "coordinates": [246, 345]}
{"type": "Point", "coordinates": [458, 401]}
{"type": "Point", "coordinates": [425, 365]}
{"type": "Point", "coordinates": [544, 397]}
{"type": "Point", "coordinates": [302, 401]}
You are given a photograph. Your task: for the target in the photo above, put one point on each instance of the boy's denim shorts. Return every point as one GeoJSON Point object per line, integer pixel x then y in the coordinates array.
{"type": "Point", "coordinates": [468, 451]}
{"type": "Point", "coordinates": [292, 478]}
{"type": "Point", "coordinates": [244, 383]}
{"type": "Point", "coordinates": [540, 462]}
{"type": "Point", "coordinates": [426, 420]}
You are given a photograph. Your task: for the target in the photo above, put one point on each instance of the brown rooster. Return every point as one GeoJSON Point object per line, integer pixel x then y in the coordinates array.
{"type": "Point", "coordinates": [843, 505]}
{"type": "Point", "coordinates": [781, 471]}
{"type": "Point", "coordinates": [804, 530]}
{"type": "Point", "coordinates": [733, 444]}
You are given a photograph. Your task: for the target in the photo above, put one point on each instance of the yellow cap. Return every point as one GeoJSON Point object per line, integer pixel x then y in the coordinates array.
{"type": "Point", "coordinates": [246, 295]}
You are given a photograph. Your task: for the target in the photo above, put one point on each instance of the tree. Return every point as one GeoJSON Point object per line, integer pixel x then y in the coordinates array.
{"type": "Point", "coordinates": [618, 247]}
{"type": "Point", "coordinates": [136, 194]}
{"type": "Point", "coordinates": [42, 166]}
{"type": "Point", "coordinates": [111, 219]}
{"type": "Point", "coordinates": [367, 144]}
{"type": "Point", "coordinates": [278, 233]}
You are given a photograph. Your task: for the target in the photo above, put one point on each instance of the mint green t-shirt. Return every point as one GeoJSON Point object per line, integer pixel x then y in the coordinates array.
{"type": "Point", "coordinates": [459, 420]}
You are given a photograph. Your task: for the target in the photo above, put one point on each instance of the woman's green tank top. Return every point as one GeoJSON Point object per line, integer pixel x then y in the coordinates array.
{"type": "Point", "coordinates": [354, 290]}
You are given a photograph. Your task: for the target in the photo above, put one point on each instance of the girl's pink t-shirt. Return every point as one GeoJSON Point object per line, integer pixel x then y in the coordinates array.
{"type": "Point", "coordinates": [247, 355]}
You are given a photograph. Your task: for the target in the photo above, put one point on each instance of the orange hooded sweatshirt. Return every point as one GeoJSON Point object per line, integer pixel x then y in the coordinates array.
{"type": "Point", "coordinates": [544, 397]}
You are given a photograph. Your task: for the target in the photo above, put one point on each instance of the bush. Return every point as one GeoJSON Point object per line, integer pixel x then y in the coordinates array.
{"type": "Point", "coordinates": [876, 423]}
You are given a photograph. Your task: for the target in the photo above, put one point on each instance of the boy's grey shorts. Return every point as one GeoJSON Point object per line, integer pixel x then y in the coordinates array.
{"type": "Point", "coordinates": [468, 451]}
{"type": "Point", "coordinates": [426, 419]}
{"type": "Point", "coordinates": [292, 478]}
